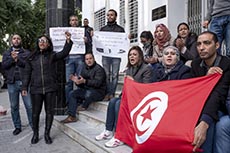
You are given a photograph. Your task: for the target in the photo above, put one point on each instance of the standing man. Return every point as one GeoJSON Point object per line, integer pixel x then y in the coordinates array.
{"type": "Point", "coordinates": [111, 64]}
{"type": "Point", "coordinates": [210, 62]}
{"type": "Point", "coordinates": [74, 62]}
{"type": "Point", "coordinates": [13, 64]}
{"type": "Point", "coordinates": [91, 88]}
{"type": "Point", "coordinates": [89, 31]}
{"type": "Point", "coordinates": [218, 19]}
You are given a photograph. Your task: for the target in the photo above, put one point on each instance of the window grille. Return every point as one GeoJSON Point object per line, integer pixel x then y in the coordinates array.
{"type": "Point", "coordinates": [195, 15]}
{"type": "Point", "coordinates": [99, 19]}
{"type": "Point", "coordinates": [122, 13]}
{"type": "Point", "coordinates": [133, 20]}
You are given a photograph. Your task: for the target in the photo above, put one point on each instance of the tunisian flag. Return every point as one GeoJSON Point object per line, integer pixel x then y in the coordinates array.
{"type": "Point", "coordinates": [161, 117]}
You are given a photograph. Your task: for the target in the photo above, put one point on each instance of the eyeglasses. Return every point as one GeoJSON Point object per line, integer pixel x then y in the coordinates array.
{"type": "Point", "coordinates": [42, 40]}
{"type": "Point", "coordinates": [171, 53]}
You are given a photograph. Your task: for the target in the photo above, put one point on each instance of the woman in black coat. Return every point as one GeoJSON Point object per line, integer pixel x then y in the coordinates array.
{"type": "Point", "coordinates": [40, 75]}
{"type": "Point", "coordinates": [186, 43]}
{"type": "Point", "coordinates": [171, 68]}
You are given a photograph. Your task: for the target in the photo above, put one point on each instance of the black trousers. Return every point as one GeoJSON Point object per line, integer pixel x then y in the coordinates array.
{"type": "Point", "coordinates": [37, 103]}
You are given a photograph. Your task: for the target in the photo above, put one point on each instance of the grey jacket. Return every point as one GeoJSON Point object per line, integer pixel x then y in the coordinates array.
{"type": "Point", "coordinates": [217, 8]}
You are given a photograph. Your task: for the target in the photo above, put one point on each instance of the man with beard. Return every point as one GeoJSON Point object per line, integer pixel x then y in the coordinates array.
{"type": "Point", "coordinates": [13, 64]}
{"type": "Point", "coordinates": [111, 64]}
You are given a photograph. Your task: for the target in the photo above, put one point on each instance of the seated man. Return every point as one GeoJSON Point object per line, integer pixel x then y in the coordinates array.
{"type": "Point", "coordinates": [210, 62]}
{"type": "Point", "coordinates": [91, 87]}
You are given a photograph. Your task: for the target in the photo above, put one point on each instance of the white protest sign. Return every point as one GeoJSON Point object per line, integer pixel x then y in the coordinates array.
{"type": "Point", "coordinates": [57, 35]}
{"type": "Point", "coordinates": [110, 44]}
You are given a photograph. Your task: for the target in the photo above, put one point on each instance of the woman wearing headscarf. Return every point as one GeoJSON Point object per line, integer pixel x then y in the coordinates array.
{"type": "Point", "coordinates": [162, 39]}
{"type": "Point", "coordinates": [171, 68]}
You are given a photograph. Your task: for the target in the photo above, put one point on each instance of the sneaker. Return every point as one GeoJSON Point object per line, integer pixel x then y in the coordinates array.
{"type": "Point", "coordinates": [104, 135]}
{"type": "Point", "coordinates": [113, 143]}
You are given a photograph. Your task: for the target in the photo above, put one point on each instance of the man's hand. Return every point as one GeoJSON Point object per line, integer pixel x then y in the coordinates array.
{"type": "Point", "coordinates": [215, 69]}
{"type": "Point", "coordinates": [200, 135]}
{"type": "Point", "coordinates": [14, 55]}
{"type": "Point", "coordinates": [205, 24]}
{"type": "Point", "coordinates": [24, 93]}
{"type": "Point", "coordinates": [77, 80]}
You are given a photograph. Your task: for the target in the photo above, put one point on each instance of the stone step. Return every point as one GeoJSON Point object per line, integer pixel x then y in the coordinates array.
{"type": "Point", "coordinates": [99, 105]}
{"type": "Point", "coordinates": [85, 135]}
{"type": "Point", "coordinates": [93, 118]}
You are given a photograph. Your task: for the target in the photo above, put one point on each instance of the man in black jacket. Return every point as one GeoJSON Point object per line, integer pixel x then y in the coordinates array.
{"type": "Point", "coordinates": [111, 64]}
{"type": "Point", "coordinates": [210, 62]}
{"type": "Point", "coordinates": [91, 88]}
{"type": "Point", "coordinates": [13, 64]}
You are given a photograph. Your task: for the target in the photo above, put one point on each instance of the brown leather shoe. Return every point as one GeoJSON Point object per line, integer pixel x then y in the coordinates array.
{"type": "Point", "coordinates": [80, 108]}
{"type": "Point", "coordinates": [106, 98]}
{"type": "Point", "coordinates": [69, 119]}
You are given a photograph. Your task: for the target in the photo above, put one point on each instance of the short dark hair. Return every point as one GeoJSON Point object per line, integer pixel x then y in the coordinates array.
{"type": "Point", "coordinates": [182, 23]}
{"type": "Point", "coordinates": [115, 12]}
{"type": "Point", "coordinates": [214, 36]}
{"type": "Point", "coordinates": [147, 34]}
{"type": "Point", "coordinates": [73, 15]}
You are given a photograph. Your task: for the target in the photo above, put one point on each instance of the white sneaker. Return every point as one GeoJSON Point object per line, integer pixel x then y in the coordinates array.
{"type": "Point", "coordinates": [104, 135]}
{"type": "Point", "coordinates": [113, 143]}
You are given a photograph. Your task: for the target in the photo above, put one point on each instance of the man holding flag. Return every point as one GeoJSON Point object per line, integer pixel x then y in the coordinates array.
{"type": "Point", "coordinates": [161, 117]}
{"type": "Point", "coordinates": [210, 62]}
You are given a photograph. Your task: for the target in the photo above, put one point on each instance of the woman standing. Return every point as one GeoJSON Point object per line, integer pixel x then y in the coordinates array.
{"type": "Point", "coordinates": [136, 70]}
{"type": "Point", "coordinates": [41, 76]}
{"type": "Point", "coordinates": [146, 38]}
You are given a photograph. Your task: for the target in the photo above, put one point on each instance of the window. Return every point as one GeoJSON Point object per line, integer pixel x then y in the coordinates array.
{"type": "Point", "coordinates": [133, 20]}
{"type": "Point", "coordinates": [194, 15]}
{"type": "Point", "coordinates": [99, 19]}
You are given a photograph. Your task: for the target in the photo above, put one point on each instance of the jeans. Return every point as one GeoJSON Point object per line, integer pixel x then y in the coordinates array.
{"type": "Point", "coordinates": [73, 66]}
{"type": "Point", "coordinates": [14, 90]}
{"type": "Point", "coordinates": [208, 144]}
{"type": "Point", "coordinates": [111, 66]}
{"type": "Point", "coordinates": [112, 114]}
{"type": "Point", "coordinates": [222, 135]}
{"type": "Point", "coordinates": [84, 96]}
{"type": "Point", "coordinates": [221, 26]}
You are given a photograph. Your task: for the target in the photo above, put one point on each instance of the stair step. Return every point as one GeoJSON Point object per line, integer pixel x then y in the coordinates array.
{"type": "Point", "coordinates": [99, 105]}
{"type": "Point", "coordinates": [85, 135]}
{"type": "Point", "coordinates": [93, 118]}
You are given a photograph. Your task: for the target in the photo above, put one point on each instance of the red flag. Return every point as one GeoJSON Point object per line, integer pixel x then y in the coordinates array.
{"type": "Point", "coordinates": [161, 117]}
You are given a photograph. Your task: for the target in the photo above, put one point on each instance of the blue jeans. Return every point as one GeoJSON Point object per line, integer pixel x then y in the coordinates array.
{"type": "Point", "coordinates": [208, 144]}
{"type": "Point", "coordinates": [111, 66]}
{"type": "Point", "coordinates": [14, 90]}
{"type": "Point", "coordinates": [222, 135]}
{"type": "Point", "coordinates": [74, 65]}
{"type": "Point", "coordinates": [112, 114]}
{"type": "Point", "coordinates": [84, 97]}
{"type": "Point", "coordinates": [221, 26]}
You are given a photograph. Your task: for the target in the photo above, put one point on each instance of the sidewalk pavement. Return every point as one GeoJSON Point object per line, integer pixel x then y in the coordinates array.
{"type": "Point", "coordinates": [21, 143]}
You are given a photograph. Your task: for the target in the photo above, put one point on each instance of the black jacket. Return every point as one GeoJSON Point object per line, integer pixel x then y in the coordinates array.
{"type": "Point", "coordinates": [217, 98]}
{"type": "Point", "coordinates": [40, 71]}
{"type": "Point", "coordinates": [95, 78]}
{"type": "Point", "coordinates": [112, 27]}
{"type": "Point", "coordinates": [180, 71]}
{"type": "Point", "coordinates": [8, 63]}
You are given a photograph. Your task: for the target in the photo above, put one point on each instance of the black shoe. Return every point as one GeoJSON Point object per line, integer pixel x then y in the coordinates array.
{"type": "Point", "coordinates": [48, 139]}
{"type": "Point", "coordinates": [17, 131]}
{"type": "Point", "coordinates": [34, 139]}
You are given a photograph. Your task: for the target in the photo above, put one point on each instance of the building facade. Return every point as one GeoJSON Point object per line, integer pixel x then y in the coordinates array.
{"type": "Point", "coordinates": [137, 15]}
